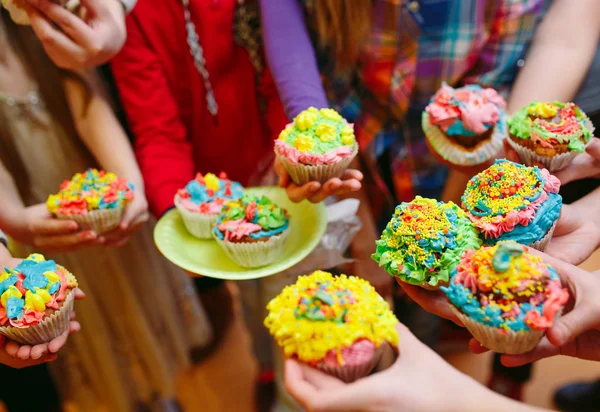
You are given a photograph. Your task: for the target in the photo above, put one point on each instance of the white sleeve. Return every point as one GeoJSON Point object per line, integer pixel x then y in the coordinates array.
{"type": "Point", "coordinates": [128, 4]}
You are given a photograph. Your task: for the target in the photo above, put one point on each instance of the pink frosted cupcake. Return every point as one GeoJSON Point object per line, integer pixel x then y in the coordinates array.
{"type": "Point", "coordinates": [465, 126]}
{"type": "Point", "coordinates": [319, 145]}
{"type": "Point", "coordinates": [338, 324]}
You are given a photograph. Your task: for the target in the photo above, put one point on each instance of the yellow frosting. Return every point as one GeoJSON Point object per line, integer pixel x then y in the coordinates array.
{"type": "Point", "coordinates": [326, 132]}
{"type": "Point", "coordinates": [304, 143]}
{"type": "Point", "coordinates": [37, 301]}
{"type": "Point", "coordinates": [212, 181]}
{"type": "Point", "coordinates": [542, 109]}
{"type": "Point", "coordinates": [11, 292]}
{"type": "Point", "coordinates": [305, 120]}
{"type": "Point", "coordinates": [331, 115]}
{"type": "Point", "coordinates": [355, 311]}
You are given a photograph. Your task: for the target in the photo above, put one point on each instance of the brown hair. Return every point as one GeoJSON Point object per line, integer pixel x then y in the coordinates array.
{"type": "Point", "coordinates": [49, 80]}
{"type": "Point", "coordinates": [343, 25]}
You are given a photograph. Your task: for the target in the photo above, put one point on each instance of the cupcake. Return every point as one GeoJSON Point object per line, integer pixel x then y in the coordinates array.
{"type": "Point", "coordinates": [202, 199]}
{"type": "Point", "coordinates": [319, 145]}
{"type": "Point", "coordinates": [509, 201]}
{"type": "Point", "coordinates": [506, 298]}
{"type": "Point", "coordinates": [465, 126]}
{"type": "Point", "coordinates": [252, 230]}
{"type": "Point", "coordinates": [551, 133]}
{"type": "Point", "coordinates": [94, 199]}
{"type": "Point", "coordinates": [36, 300]}
{"type": "Point", "coordinates": [338, 324]}
{"type": "Point", "coordinates": [424, 241]}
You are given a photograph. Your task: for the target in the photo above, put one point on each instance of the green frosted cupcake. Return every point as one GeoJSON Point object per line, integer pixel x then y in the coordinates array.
{"type": "Point", "coordinates": [424, 241]}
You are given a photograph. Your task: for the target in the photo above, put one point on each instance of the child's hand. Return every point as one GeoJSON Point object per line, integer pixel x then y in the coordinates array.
{"type": "Point", "coordinates": [135, 216]}
{"type": "Point", "coordinates": [37, 227]}
{"type": "Point", "coordinates": [316, 192]}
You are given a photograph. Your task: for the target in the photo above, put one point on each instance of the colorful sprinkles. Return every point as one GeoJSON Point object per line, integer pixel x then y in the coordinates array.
{"type": "Point", "coordinates": [89, 191]}
{"type": "Point", "coordinates": [208, 193]}
{"type": "Point", "coordinates": [322, 312]}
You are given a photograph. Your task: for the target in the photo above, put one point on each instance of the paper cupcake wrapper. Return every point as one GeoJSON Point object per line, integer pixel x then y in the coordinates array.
{"type": "Point", "coordinates": [499, 340]}
{"type": "Point", "coordinates": [350, 373]}
{"type": "Point", "coordinates": [302, 174]}
{"type": "Point", "coordinates": [49, 327]}
{"type": "Point", "coordinates": [427, 286]}
{"type": "Point", "coordinates": [454, 153]}
{"type": "Point", "coordinates": [542, 244]}
{"type": "Point", "coordinates": [553, 164]}
{"type": "Point", "coordinates": [100, 221]}
{"type": "Point", "coordinates": [198, 224]}
{"type": "Point", "coordinates": [255, 254]}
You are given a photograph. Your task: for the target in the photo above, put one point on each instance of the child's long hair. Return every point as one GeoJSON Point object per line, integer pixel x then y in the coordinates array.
{"type": "Point", "coordinates": [343, 25]}
{"type": "Point", "coordinates": [49, 80]}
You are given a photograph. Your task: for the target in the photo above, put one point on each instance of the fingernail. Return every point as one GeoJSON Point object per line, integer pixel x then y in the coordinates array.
{"type": "Point", "coordinates": [88, 235]}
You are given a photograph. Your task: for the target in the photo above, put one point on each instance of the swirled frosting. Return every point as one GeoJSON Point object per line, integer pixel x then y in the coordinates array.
{"type": "Point", "coordinates": [506, 288]}
{"type": "Point", "coordinates": [509, 201]}
{"type": "Point", "coordinates": [89, 191]}
{"type": "Point", "coordinates": [252, 217]}
{"type": "Point", "coordinates": [333, 319]}
{"type": "Point", "coordinates": [424, 240]}
{"type": "Point", "coordinates": [207, 194]}
{"type": "Point", "coordinates": [317, 137]}
{"type": "Point", "coordinates": [30, 288]}
{"type": "Point", "coordinates": [552, 123]}
{"type": "Point", "coordinates": [466, 111]}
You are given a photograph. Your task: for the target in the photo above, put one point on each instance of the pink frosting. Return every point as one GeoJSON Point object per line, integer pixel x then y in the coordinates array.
{"type": "Point", "coordinates": [204, 208]}
{"type": "Point", "coordinates": [557, 298]}
{"type": "Point", "coordinates": [238, 229]}
{"type": "Point", "coordinates": [358, 353]}
{"type": "Point", "coordinates": [477, 109]}
{"type": "Point", "coordinates": [505, 223]}
{"type": "Point", "coordinates": [295, 156]}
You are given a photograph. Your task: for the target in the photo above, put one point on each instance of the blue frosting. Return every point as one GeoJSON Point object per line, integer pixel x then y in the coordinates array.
{"type": "Point", "coordinates": [34, 273]}
{"type": "Point", "coordinates": [491, 315]}
{"type": "Point", "coordinates": [54, 288]}
{"type": "Point", "coordinates": [14, 308]}
{"type": "Point", "coordinates": [199, 194]}
{"type": "Point", "coordinates": [545, 216]}
{"type": "Point", "coordinates": [10, 281]}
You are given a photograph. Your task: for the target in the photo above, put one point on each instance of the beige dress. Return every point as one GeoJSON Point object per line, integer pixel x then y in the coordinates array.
{"type": "Point", "coordinates": [141, 315]}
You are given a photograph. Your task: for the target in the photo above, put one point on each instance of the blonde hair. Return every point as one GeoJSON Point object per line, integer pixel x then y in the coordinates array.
{"type": "Point", "coordinates": [343, 25]}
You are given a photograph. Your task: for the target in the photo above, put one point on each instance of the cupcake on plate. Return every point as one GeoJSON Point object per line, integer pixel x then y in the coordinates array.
{"type": "Point", "coordinates": [319, 145]}
{"type": "Point", "coordinates": [505, 297]}
{"type": "Point", "coordinates": [551, 133]}
{"type": "Point", "coordinates": [94, 199]}
{"type": "Point", "coordinates": [338, 324]}
{"type": "Point", "coordinates": [424, 241]}
{"type": "Point", "coordinates": [465, 126]}
{"type": "Point", "coordinates": [252, 230]}
{"type": "Point", "coordinates": [201, 201]}
{"type": "Point", "coordinates": [509, 201]}
{"type": "Point", "coordinates": [36, 300]}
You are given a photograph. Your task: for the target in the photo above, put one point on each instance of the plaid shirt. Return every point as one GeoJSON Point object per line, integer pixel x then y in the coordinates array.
{"type": "Point", "coordinates": [415, 46]}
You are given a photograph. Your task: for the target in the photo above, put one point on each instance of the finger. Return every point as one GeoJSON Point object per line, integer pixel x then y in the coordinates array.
{"type": "Point", "coordinates": [510, 153]}
{"type": "Point", "coordinates": [320, 380]}
{"type": "Point", "coordinates": [57, 343]}
{"type": "Point", "coordinates": [95, 7]}
{"type": "Point", "coordinates": [296, 385]}
{"type": "Point", "coordinates": [568, 327]}
{"type": "Point", "coordinates": [53, 39]}
{"type": "Point", "coordinates": [69, 23]}
{"type": "Point", "coordinates": [593, 148]}
{"type": "Point", "coordinates": [65, 241]}
{"type": "Point", "coordinates": [284, 178]}
{"type": "Point", "coordinates": [12, 348]}
{"type": "Point", "coordinates": [432, 302]}
{"type": "Point", "coordinates": [39, 350]}
{"type": "Point", "coordinates": [79, 294]}
{"type": "Point", "coordinates": [543, 350]}
{"type": "Point", "coordinates": [352, 174]}
{"type": "Point", "coordinates": [300, 193]}
{"type": "Point", "coordinates": [50, 226]}
{"type": "Point", "coordinates": [137, 222]}
{"type": "Point", "coordinates": [476, 347]}
{"type": "Point", "coordinates": [24, 352]}
{"type": "Point", "coordinates": [328, 189]}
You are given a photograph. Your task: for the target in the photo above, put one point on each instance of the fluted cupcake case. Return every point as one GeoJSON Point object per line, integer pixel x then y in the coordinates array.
{"type": "Point", "coordinates": [255, 254]}
{"type": "Point", "coordinates": [100, 221]}
{"type": "Point", "coordinates": [351, 373]}
{"type": "Point", "coordinates": [198, 224]}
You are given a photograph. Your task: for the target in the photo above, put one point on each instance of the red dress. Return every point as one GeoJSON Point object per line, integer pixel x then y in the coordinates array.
{"type": "Point", "coordinates": [164, 98]}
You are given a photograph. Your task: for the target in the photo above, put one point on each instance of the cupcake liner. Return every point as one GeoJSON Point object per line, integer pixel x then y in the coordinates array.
{"type": "Point", "coordinates": [542, 244]}
{"type": "Point", "coordinates": [302, 174]}
{"type": "Point", "coordinates": [100, 221]}
{"type": "Point", "coordinates": [49, 327]}
{"type": "Point", "coordinates": [454, 153]}
{"type": "Point", "coordinates": [427, 286]}
{"type": "Point", "coordinates": [255, 254]}
{"type": "Point", "coordinates": [555, 163]}
{"type": "Point", "coordinates": [198, 224]}
{"type": "Point", "coordinates": [350, 373]}
{"type": "Point", "coordinates": [500, 340]}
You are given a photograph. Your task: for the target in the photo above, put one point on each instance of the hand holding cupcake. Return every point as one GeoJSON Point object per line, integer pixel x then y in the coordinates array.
{"type": "Point", "coordinates": [551, 133]}
{"type": "Point", "coordinates": [424, 240]}
{"type": "Point", "coordinates": [505, 297]}
{"type": "Point", "coordinates": [319, 145]}
{"type": "Point", "coordinates": [252, 230]}
{"type": "Point", "coordinates": [335, 323]}
{"type": "Point", "coordinates": [201, 201]}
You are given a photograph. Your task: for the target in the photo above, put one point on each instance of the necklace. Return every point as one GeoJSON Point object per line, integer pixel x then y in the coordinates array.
{"type": "Point", "coordinates": [197, 53]}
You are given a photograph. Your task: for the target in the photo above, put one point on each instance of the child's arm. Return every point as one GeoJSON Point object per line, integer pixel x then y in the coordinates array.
{"type": "Point", "coordinates": [102, 134]}
{"type": "Point", "coordinates": [560, 55]}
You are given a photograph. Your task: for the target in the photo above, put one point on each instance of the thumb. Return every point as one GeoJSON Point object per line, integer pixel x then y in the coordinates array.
{"type": "Point", "coordinates": [593, 148]}
{"type": "Point", "coordinates": [581, 319]}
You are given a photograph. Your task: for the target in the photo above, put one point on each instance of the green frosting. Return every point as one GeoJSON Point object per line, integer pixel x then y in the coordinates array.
{"type": "Point", "coordinates": [318, 132]}
{"type": "Point", "coordinates": [576, 133]}
{"type": "Point", "coordinates": [424, 241]}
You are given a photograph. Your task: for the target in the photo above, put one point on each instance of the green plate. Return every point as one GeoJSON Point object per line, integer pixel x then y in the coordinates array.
{"type": "Point", "coordinates": [308, 223]}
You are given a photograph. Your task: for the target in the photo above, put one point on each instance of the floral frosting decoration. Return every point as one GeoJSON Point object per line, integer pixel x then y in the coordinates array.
{"type": "Point", "coordinates": [208, 193]}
